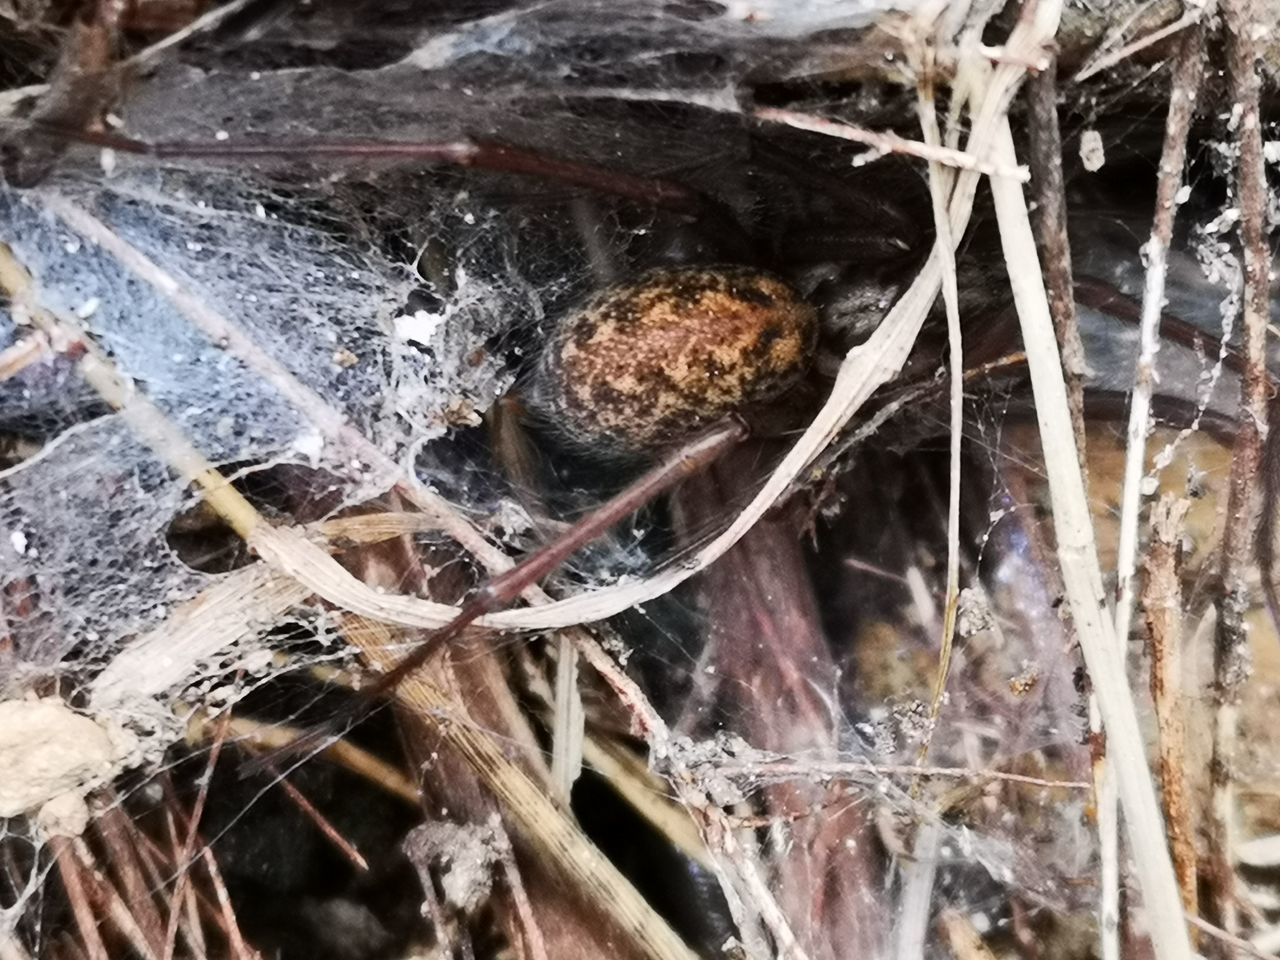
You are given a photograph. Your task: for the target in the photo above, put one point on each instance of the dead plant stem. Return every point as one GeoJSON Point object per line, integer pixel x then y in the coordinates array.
{"type": "Point", "coordinates": [70, 870]}
{"type": "Point", "coordinates": [1045, 161]}
{"type": "Point", "coordinates": [1162, 606]}
{"type": "Point", "coordinates": [1231, 641]}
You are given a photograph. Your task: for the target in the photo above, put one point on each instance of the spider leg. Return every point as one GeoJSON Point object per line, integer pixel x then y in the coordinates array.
{"type": "Point", "coordinates": [477, 153]}
{"type": "Point", "coordinates": [504, 589]}
{"type": "Point", "coordinates": [685, 461]}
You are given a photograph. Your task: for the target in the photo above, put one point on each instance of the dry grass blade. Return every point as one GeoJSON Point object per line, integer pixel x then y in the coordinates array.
{"type": "Point", "coordinates": [919, 874]}
{"type": "Point", "coordinates": [538, 819]}
{"type": "Point", "coordinates": [231, 610]}
{"type": "Point", "coordinates": [262, 736]}
{"type": "Point", "coordinates": [568, 722]}
{"type": "Point", "coordinates": [1082, 575]}
{"type": "Point", "coordinates": [965, 941]}
{"type": "Point", "coordinates": [939, 185]}
{"type": "Point", "coordinates": [644, 792]}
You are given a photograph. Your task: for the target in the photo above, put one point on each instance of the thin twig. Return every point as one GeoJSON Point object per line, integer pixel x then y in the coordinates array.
{"type": "Point", "coordinates": [1193, 17]}
{"type": "Point", "coordinates": [1045, 161]}
{"type": "Point", "coordinates": [1182, 102]}
{"type": "Point", "coordinates": [331, 833]}
{"type": "Point", "coordinates": [70, 870]}
{"type": "Point", "coordinates": [767, 770]}
{"type": "Point", "coordinates": [239, 949]}
{"type": "Point", "coordinates": [266, 737]}
{"type": "Point", "coordinates": [190, 926]}
{"type": "Point", "coordinates": [108, 898]}
{"type": "Point", "coordinates": [888, 142]}
{"type": "Point", "coordinates": [195, 902]}
{"type": "Point", "coordinates": [1182, 105]}
{"type": "Point", "coordinates": [1231, 641]}
{"type": "Point", "coordinates": [184, 860]}
{"type": "Point", "coordinates": [118, 833]}
{"type": "Point", "coordinates": [223, 913]}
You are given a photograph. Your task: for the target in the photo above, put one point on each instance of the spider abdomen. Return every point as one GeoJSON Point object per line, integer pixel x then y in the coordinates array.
{"type": "Point", "coordinates": [642, 365]}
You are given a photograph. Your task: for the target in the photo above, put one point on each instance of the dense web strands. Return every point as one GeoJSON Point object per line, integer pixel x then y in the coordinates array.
{"type": "Point", "coordinates": [296, 291]}
{"type": "Point", "coordinates": [317, 269]}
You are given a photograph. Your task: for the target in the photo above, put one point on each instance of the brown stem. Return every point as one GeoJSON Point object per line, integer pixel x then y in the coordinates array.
{"type": "Point", "coordinates": [1162, 606]}
{"type": "Point", "coordinates": [322, 823]}
{"type": "Point", "coordinates": [1231, 646]}
{"type": "Point", "coordinates": [69, 868]}
{"type": "Point", "coordinates": [768, 666]}
{"type": "Point", "coordinates": [118, 835]}
{"type": "Point", "coordinates": [1045, 160]}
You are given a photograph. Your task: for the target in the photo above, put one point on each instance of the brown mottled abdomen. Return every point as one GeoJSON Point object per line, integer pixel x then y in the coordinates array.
{"type": "Point", "coordinates": [643, 365]}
